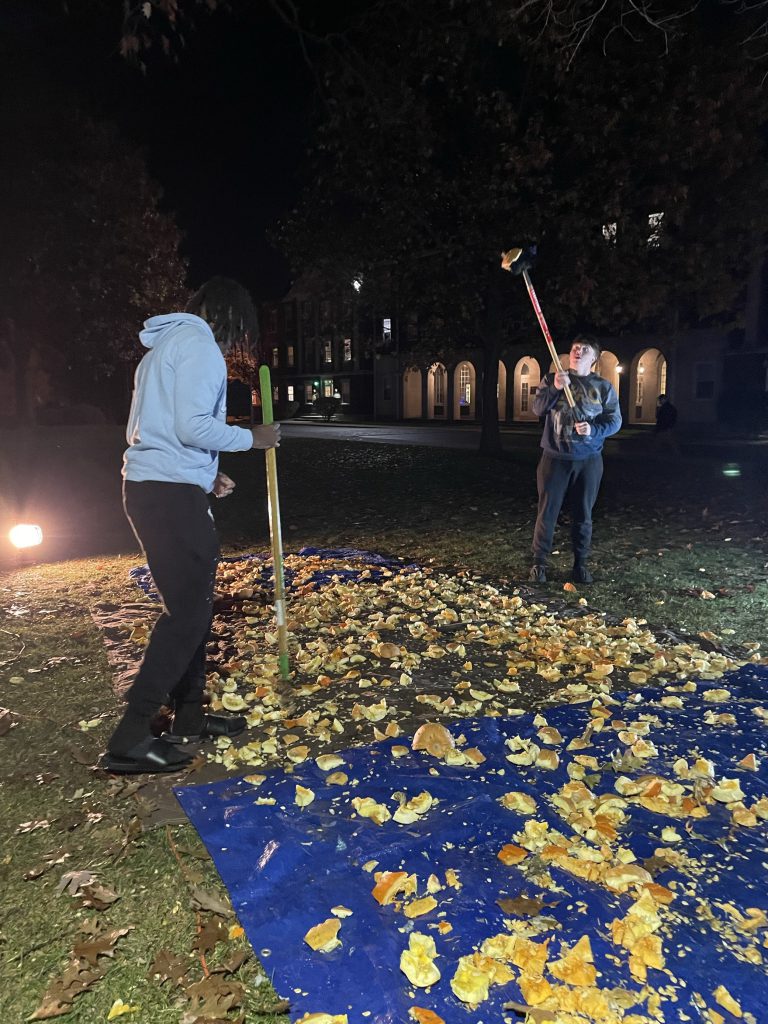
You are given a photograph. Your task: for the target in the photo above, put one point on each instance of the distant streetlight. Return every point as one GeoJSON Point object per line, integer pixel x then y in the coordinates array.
{"type": "Point", "coordinates": [357, 283]}
{"type": "Point", "coordinates": [25, 535]}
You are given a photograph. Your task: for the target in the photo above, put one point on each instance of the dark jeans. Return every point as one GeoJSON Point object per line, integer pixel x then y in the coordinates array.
{"type": "Point", "coordinates": [174, 525]}
{"type": "Point", "coordinates": [580, 480]}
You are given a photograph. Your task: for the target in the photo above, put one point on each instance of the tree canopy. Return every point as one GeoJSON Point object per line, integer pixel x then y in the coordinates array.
{"type": "Point", "coordinates": [449, 134]}
{"type": "Point", "coordinates": [87, 254]}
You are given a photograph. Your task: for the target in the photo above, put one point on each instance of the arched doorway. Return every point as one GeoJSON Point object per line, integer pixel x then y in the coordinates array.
{"type": "Point", "coordinates": [647, 380]}
{"type": "Point", "coordinates": [501, 391]}
{"type": "Point", "coordinates": [608, 367]}
{"type": "Point", "coordinates": [527, 379]}
{"type": "Point", "coordinates": [464, 391]}
{"type": "Point", "coordinates": [412, 393]}
{"type": "Point", "coordinates": [437, 385]}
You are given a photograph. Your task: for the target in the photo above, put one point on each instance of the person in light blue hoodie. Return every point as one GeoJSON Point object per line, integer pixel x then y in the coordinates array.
{"type": "Point", "coordinates": [176, 428]}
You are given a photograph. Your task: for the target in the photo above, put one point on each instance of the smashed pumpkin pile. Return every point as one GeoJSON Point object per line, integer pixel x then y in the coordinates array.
{"type": "Point", "coordinates": [599, 860]}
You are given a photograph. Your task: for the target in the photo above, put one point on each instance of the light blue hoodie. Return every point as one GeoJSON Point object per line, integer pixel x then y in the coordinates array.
{"type": "Point", "coordinates": [177, 424]}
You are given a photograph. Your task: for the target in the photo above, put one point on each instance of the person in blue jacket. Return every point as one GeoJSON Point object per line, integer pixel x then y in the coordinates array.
{"type": "Point", "coordinates": [176, 428]}
{"type": "Point", "coordinates": [571, 461]}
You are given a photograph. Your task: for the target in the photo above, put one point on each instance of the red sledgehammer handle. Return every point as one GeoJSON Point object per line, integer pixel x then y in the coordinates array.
{"type": "Point", "coordinates": [547, 335]}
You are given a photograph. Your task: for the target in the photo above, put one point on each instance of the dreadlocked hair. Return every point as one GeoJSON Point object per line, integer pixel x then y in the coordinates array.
{"type": "Point", "coordinates": [229, 310]}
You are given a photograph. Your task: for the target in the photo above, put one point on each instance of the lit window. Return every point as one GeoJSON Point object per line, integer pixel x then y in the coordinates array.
{"type": "Point", "coordinates": [345, 392]}
{"type": "Point", "coordinates": [609, 232]}
{"type": "Point", "coordinates": [656, 225]}
{"type": "Point", "coordinates": [465, 385]}
{"type": "Point", "coordinates": [309, 394]}
{"type": "Point", "coordinates": [328, 352]}
{"type": "Point", "coordinates": [291, 392]}
{"type": "Point", "coordinates": [663, 377]}
{"type": "Point", "coordinates": [524, 395]}
{"type": "Point", "coordinates": [275, 356]}
{"type": "Point", "coordinates": [347, 350]}
{"type": "Point", "coordinates": [275, 393]}
{"type": "Point", "coordinates": [639, 391]}
{"type": "Point", "coordinates": [439, 386]}
{"type": "Point", "coordinates": [328, 389]}
{"type": "Point", "coordinates": [386, 330]}
{"type": "Point", "coordinates": [290, 355]}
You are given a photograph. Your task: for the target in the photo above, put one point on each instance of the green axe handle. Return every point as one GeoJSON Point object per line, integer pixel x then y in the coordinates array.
{"type": "Point", "coordinates": [275, 534]}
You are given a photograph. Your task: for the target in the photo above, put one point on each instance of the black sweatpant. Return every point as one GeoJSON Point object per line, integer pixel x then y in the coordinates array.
{"type": "Point", "coordinates": [556, 478]}
{"type": "Point", "coordinates": [175, 527]}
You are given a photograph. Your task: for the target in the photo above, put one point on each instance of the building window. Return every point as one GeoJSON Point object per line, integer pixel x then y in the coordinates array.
{"type": "Point", "coordinates": [524, 395]}
{"type": "Point", "coordinates": [704, 381]}
{"type": "Point", "coordinates": [289, 316]}
{"type": "Point", "coordinates": [440, 386]}
{"type": "Point", "coordinates": [325, 311]}
{"type": "Point", "coordinates": [386, 330]}
{"type": "Point", "coordinates": [345, 392]}
{"type": "Point", "coordinates": [328, 352]}
{"type": "Point", "coordinates": [465, 385]}
{"type": "Point", "coordinates": [609, 232]}
{"type": "Point", "coordinates": [275, 356]}
{"type": "Point", "coordinates": [386, 391]}
{"type": "Point", "coordinates": [639, 390]}
{"type": "Point", "coordinates": [306, 312]}
{"type": "Point", "coordinates": [656, 227]}
{"type": "Point", "coordinates": [291, 392]}
{"type": "Point", "coordinates": [273, 321]}
{"type": "Point", "coordinates": [309, 394]}
{"type": "Point", "coordinates": [291, 356]}
{"type": "Point", "coordinates": [275, 393]}
{"type": "Point", "coordinates": [347, 350]}
{"type": "Point", "coordinates": [663, 377]}
{"type": "Point", "coordinates": [327, 389]}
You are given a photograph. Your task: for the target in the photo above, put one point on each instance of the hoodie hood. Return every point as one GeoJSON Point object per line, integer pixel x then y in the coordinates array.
{"type": "Point", "coordinates": [158, 327]}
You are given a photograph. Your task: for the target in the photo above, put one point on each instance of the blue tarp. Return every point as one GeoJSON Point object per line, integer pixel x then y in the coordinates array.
{"type": "Point", "coordinates": [286, 867]}
{"type": "Point", "coordinates": [370, 563]}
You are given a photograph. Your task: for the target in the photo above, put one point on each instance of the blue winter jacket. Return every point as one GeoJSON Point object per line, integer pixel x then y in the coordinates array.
{"type": "Point", "coordinates": [177, 424]}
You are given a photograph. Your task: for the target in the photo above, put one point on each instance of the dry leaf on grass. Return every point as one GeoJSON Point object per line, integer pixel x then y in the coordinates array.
{"type": "Point", "coordinates": [201, 899]}
{"type": "Point", "coordinates": [84, 970]}
{"type": "Point", "coordinates": [168, 966]}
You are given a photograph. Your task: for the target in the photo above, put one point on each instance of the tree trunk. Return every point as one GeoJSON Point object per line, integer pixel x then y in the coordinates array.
{"type": "Point", "coordinates": [18, 357]}
{"type": "Point", "coordinates": [490, 435]}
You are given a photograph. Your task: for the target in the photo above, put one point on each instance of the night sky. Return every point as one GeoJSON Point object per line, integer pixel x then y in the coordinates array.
{"type": "Point", "coordinates": [225, 129]}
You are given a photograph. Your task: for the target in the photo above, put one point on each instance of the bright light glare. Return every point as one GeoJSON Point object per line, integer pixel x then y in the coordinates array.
{"type": "Point", "coordinates": [25, 535]}
{"type": "Point", "coordinates": [731, 469]}
{"type": "Point", "coordinates": [357, 284]}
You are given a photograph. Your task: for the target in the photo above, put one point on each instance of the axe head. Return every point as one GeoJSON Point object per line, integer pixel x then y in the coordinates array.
{"type": "Point", "coordinates": [518, 260]}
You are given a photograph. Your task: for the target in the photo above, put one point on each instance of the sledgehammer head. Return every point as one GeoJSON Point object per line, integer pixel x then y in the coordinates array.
{"type": "Point", "coordinates": [518, 260]}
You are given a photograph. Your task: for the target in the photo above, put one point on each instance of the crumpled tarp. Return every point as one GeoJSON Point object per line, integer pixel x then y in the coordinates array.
{"type": "Point", "coordinates": [286, 867]}
{"type": "Point", "coordinates": [374, 568]}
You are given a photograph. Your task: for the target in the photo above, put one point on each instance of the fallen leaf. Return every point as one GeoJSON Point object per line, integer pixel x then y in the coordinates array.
{"type": "Point", "coordinates": [201, 899]}
{"type": "Point", "coordinates": [119, 1008]}
{"type": "Point", "coordinates": [168, 966]}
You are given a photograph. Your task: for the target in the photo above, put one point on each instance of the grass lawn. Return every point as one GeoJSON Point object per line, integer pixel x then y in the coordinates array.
{"type": "Point", "coordinates": [679, 543]}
